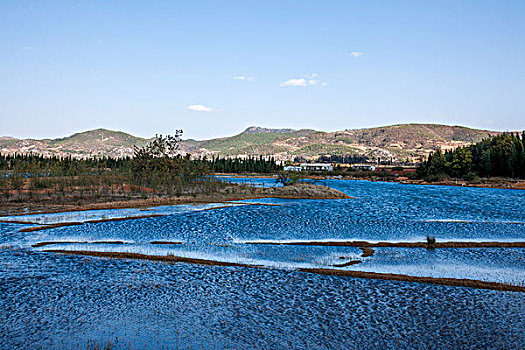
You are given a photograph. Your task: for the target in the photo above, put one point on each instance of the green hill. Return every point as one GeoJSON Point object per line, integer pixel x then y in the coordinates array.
{"type": "Point", "coordinates": [394, 141]}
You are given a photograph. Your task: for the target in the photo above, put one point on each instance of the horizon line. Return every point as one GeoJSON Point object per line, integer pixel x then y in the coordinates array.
{"type": "Point", "coordinates": [262, 127]}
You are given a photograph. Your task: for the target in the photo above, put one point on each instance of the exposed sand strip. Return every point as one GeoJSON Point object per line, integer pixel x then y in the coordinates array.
{"type": "Point", "coordinates": [50, 226]}
{"type": "Point", "coordinates": [237, 204]}
{"type": "Point", "coordinates": [218, 207]}
{"type": "Point", "coordinates": [20, 222]}
{"type": "Point", "coordinates": [349, 263]}
{"type": "Point", "coordinates": [366, 253]}
{"type": "Point", "coordinates": [163, 258]}
{"type": "Point", "coordinates": [365, 244]}
{"type": "Point", "coordinates": [165, 242]}
{"type": "Point", "coordinates": [43, 244]}
{"type": "Point", "coordinates": [249, 203]}
{"type": "Point", "coordinates": [76, 223]}
{"type": "Point", "coordinates": [455, 282]}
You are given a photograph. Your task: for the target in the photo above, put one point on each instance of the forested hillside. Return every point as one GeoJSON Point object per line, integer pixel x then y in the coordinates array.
{"type": "Point", "coordinates": [501, 156]}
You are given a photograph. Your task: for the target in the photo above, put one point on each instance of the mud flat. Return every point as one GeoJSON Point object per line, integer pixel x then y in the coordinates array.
{"type": "Point", "coordinates": [454, 282]}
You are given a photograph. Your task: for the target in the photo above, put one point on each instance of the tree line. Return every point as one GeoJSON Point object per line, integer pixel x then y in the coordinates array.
{"type": "Point", "coordinates": [34, 165]}
{"type": "Point", "coordinates": [249, 164]}
{"type": "Point", "coordinates": [156, 169]}
{"type": "Point", "coordinates": [497, 156]}
{"type": "Point", "coordinates": [343, 159]}
{"type": "Point", "coordinates": [147, 163]}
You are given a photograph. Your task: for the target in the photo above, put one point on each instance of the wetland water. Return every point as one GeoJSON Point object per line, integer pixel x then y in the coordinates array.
{"type": "Point", "coordinates": [54, 300]}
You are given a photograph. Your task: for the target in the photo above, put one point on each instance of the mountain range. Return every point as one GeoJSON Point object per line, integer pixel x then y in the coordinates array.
{"type": "Point", "coordinates": [402, 141]}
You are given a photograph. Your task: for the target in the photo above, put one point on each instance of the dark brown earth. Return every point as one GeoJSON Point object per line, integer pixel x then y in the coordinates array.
{"type": "Point", "coordinates": [366, 252]}
{"type": "Point", "coordinates": [349, 263]}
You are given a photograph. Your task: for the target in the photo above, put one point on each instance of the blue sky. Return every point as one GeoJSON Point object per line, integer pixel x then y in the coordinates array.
{"type": "Point", "coordinates": [149, 67]}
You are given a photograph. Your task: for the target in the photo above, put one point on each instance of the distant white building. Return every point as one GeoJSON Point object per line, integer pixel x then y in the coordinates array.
{"type": "Point", "coordinates": [292, 168]}
{"type": "Point", "coordinates": [367, 167]}
{"type": "Point", "coordinates": [316, 167]}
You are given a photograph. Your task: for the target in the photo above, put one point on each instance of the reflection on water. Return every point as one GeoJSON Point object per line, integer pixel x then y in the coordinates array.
{"type": "Point", "coordinates": [51, 300]}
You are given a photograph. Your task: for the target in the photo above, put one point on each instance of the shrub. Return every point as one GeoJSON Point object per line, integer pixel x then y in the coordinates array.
{"type": "Point", "coordinates": [289, 177]}
{"type": "Point", "coordinates": [472, 177]}
{"type": "Point", "coordinates": [431, 242]}
{"type": "Point", "coordinates": [436, 178]}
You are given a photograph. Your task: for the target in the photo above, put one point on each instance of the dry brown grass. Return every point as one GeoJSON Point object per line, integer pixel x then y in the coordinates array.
{"type": "Point", "coordinates": [228, 192]}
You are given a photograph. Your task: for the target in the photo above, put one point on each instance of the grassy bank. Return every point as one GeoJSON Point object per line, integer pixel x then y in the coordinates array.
{"type": "Point", "coordinates": [129, 197]}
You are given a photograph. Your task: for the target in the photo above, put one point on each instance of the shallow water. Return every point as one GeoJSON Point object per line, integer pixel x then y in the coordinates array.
{"type": "Point", "coordinates": [102, 214]}
{"type": "Point", "coordinates": [504, 265]}
{"type": "Point", "coordinates": [52, 300]}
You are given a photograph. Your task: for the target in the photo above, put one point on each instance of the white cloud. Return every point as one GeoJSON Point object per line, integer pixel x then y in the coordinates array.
{"type": "Point", "coordinates": [355, 53]}
{"type": "Point", "coordinates": [201, 108]}
{"type": "Point", "coordinates": [244, 78]}
{"type": "Point", "coordinates": [27, 48]}
{"type": "Point", "coordinates": [302, 82]}
{"type": "Point", "coordinates": [295, 82]}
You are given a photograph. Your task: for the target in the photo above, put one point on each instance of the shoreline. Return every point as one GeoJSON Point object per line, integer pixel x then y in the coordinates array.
{"type": "Point", "coordinates": [43, 207]}
{"type": "Point", "coordinates": [519, 184]}
{"type": "Point", "coordinates": [453, 282]}
{"type": "Point", "coordinates": [298, 191]}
